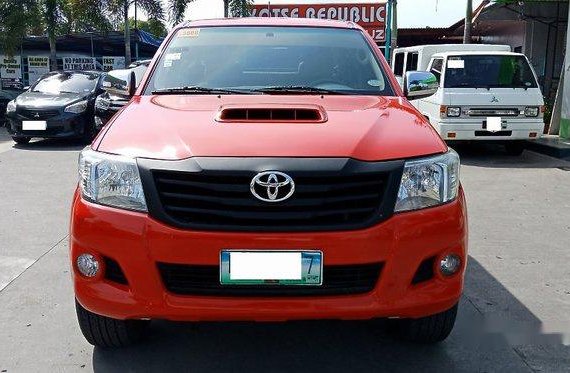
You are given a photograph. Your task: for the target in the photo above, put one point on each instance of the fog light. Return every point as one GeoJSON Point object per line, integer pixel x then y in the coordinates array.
{"type": "Point", "coordinates": [449, 264]}
{"type": "Point", "coordinates": [87, 265]}
{"type": "Point", "coordinates": [451, 135]}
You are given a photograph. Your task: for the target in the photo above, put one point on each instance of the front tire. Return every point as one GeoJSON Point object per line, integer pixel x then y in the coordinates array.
{"type": "Point", "coordinates": [430, 329]}
{"type": "Point", "coordinates": [21, 140]}
{"type": "Point", "coordinates": [106, 332]}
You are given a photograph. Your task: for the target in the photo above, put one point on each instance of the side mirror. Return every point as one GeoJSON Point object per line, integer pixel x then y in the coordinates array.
{"type": "Point", "coordinates": [120, 83]}
{"type": "Point", "coordinates": [419, 84]}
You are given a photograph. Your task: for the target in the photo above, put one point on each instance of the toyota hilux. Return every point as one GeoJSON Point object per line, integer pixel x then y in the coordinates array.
{"type": "Point", "coordinates": [268, 170]}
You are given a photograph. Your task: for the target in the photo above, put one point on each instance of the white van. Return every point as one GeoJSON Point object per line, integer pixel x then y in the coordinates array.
{"type": "Point", "coordinates": [485, 94]}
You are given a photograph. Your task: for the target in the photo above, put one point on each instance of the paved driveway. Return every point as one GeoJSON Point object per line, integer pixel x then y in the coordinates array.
{"type": "Point", "coordinates": [516, 303]}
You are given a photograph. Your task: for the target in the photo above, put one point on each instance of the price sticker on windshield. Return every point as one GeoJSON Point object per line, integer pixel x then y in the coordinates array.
{"type": "Point", "coordinates": [189, 33]}
{"type": "Point", "coordinates": [456, 64]}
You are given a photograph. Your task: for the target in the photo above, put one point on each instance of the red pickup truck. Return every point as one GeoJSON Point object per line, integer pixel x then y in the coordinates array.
{"type": "Point", "coordinates": [268, 170]}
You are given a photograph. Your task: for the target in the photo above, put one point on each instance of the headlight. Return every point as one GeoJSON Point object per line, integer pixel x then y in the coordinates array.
{"type": "Point", "coordinates": [453, 111]}
{"type": "Point", "coordinates": [111, 180]}
{"type": "Point", "coordinates": [531, 111]}
{"type": "Point", "coordinates": [77, 108]}
{"type": "Point", "coordinates": [11, 107]}
{"type": "Point", "coordinates": [429, 182]}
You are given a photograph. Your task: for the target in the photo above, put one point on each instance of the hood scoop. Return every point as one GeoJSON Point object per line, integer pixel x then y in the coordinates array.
{"type": "Point", "coordinates": [277, 113]}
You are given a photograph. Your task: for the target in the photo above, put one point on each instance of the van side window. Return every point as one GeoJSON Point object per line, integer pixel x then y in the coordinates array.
{"type": "Point", "coordinates": [412, 61]}
{"type": "Point", "coordinates": [436, 67]}
{"type": "Point", "coordinates": [399, 64]}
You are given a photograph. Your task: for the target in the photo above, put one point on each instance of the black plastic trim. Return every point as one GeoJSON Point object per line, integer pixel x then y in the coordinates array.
{"type": "Point", "coordinates": [295, 167]}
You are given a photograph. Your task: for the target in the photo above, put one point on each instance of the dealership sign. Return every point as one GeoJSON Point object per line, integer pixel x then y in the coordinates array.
{"type": "Point", "coordinates": [37, 66]}
{"type": "Point", "coordinates": [79, 63]}
{"type": "Point", "coordinates": [113, 63]}
{"type": "Point", "coordinates": [372, 17]}
{"type": "Point", "coordinates": [10, 71]}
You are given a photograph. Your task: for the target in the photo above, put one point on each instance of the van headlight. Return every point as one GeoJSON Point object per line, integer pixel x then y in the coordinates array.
{"type": "Point", "coordinates": [531, 111]}
{"type": "Point", "coordinates": [428, 182]}
{"type": "Point", "coordinates": [111, 180]}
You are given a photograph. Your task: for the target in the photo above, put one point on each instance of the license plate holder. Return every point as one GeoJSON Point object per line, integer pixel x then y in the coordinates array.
{"type": "Point", "coordinates": [34, 125]}
{"type": "Point", "coordinates": [271, 267]}
{"type": "Point", "coordinates": [494, 124]}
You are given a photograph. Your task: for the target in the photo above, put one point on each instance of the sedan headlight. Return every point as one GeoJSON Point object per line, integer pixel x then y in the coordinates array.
{"type": "Point", "coordinates": [531, 111]}
{"type": "Point", "coordinates": [78, 107]}
{"type": "Point", "coordinates": [111, 180]}
{"type": "Point", "coordinates": [11, 107]}
{"type": "Point", "coordinates": [429, 182]}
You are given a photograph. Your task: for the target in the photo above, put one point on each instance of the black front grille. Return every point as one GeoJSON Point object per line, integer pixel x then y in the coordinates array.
{"type": "Point", "coordinates": [185, 279]}
{"type": "Point", "coordinates": [37, 114]}
{"type": "Point", "coordinates": [356, 195]}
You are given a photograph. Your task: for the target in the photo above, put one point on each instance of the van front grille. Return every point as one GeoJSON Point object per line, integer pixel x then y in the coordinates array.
{"type": "Point", "coordinates": [490, 112]}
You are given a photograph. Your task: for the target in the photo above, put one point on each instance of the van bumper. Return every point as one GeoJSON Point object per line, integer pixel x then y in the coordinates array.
{"type": "Point", "coordinates": [472, 129]}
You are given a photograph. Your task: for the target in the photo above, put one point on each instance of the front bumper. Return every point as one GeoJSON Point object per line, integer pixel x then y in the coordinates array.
{"type": "Point", "coordinates": [137, 243]}
{"type": "Point", "coordinates": [472, 129]}
{"type": "Point", "coordinates": [60, 126]}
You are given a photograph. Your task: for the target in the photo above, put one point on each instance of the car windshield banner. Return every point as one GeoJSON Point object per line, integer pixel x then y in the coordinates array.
{"type": "Point", "coordinates": [371, 17]}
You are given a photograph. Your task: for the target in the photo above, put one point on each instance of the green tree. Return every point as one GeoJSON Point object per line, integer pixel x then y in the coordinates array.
{"type": "Point", "coordinates": [17, 18]}
{"type": "Point", "coordinates": [237, 8]}
{"type": "Point", "coordinates": [153, 26]}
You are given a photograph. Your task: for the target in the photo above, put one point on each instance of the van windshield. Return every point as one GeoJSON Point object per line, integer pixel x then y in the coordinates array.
{"type": "Point", "coordinates": [488, 71]}
{"type": "Point", "coordinates": [271, 60]}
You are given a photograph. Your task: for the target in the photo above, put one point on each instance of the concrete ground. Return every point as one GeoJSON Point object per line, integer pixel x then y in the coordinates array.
{"type": "Point", "coordinates": [516, 302]}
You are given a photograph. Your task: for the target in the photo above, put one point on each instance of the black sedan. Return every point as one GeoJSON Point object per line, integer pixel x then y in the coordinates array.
{"type": "Point", "coordinates": [60, 104]}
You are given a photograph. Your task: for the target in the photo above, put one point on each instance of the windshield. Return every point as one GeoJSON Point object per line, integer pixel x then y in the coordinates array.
{"type": "Point", "coordinates": [488, 71]}
{"type": "Point", "coordinates": [66, 82]}
{"type": "Point", "coordinates": [269, 59]}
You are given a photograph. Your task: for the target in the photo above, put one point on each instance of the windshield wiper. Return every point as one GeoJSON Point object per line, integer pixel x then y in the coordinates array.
{"type": "Point", "coordinates": [299, 89]}
{"type": "Point", "coordinates": [197, 90]}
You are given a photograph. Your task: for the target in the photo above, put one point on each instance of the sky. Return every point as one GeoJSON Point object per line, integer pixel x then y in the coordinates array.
{"type": "Point", "coordinates": [411, 13]}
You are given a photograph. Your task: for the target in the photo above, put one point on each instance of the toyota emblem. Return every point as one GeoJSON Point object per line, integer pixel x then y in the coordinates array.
{"type": "Point", "coordinates": [272, 186]}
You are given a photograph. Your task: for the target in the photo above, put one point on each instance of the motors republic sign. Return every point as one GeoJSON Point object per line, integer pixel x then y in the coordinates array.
{"type": "Point", "coordinates": [372, 17]}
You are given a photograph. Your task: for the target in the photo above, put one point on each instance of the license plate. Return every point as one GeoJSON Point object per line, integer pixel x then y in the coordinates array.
{"type": "Point", "coordinates": [494, 124]}
{"type": "Point", "coordinates": [271, 267]}
{"type": "Point", "coordinates": [34, 125]}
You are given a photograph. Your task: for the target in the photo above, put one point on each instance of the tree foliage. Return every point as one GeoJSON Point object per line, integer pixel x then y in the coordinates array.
{"type": "Point", "coordinates": [240, 8]}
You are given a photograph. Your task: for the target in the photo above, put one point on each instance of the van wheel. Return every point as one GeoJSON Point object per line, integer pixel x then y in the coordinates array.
{"type": "Point", "coordinates": [430, 329]}
{"type": "Point", "coordinates": [106, 332]}
{"type": "Point", "coordinates": [21, 140]}
{"type": "Point", "coordinates": [514, 147]}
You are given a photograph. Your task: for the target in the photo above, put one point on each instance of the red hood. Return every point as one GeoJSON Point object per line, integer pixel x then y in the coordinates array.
{"type": "Point", "coordinates": [360, 127]}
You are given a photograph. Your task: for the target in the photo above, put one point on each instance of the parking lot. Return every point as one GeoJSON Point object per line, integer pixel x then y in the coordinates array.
{"type": "Point", "coordinates": [515, 308]}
